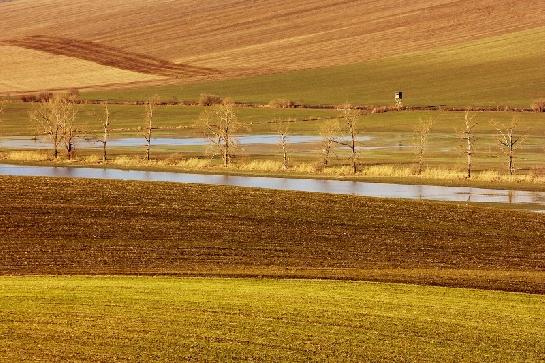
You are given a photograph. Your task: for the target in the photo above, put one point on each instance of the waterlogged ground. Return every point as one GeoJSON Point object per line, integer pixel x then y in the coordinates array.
{"type": "Point", "coordinates": [530, 200]}
{"type": "Point", "coordinates": [131, 142]}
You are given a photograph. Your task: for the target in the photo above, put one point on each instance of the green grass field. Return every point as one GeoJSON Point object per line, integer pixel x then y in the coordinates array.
{"type": "Point", "coordinates": [504, 70]}
{"type": "Point", "coordinates": [169, 319]}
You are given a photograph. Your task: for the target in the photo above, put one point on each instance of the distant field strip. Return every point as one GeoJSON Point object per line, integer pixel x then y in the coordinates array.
{"type": "Point", "coordinates": [31, 70]}
{"type": "Point", "coordinates": [62, 226]}
{"type": "Point", "coordinates": [169, 319]}
{"type": "Point", "coordinates": [109, 56]}
{"type": "Point", "coordinates": [500, 70]}
{"type": "Point", "coordinates": [270, 35]}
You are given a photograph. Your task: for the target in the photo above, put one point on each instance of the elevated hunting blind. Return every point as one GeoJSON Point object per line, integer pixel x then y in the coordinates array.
{"type": "Point", "coordinates": [398, 98]}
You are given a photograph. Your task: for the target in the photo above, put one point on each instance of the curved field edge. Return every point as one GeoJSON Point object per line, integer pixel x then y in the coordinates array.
{"type": "Point", "coordinates": [63, 226]}
{"type": "Point", "coordinates": [500, 70]}
{"type": "Point", "coordinates": [158, 318]}
{"type": "Point", "coordinates": [26, 70]}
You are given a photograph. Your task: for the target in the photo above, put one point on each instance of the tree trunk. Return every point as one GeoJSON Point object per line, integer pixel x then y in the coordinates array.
{"type": "Point", "coordinates": [104, 156]}
{"type": "Point", "coordinates": [226, 156]}
{"type": "Point", "coordinates": [469, 155]}
{"type": "Point", "coordinates": [511, 171]}
{"type": "Point", "coordinates": [353, 147]}
{"type": "Point", "coordinates": [104, 142]}
{"type": "Point", "coordinates": [284, 152]}
{"type": "Point", "coordinates": [55, 146]}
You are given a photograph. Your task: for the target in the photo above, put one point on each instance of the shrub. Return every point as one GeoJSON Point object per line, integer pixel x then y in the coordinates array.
{"type": "Point", "coordinates": [209, 100]}
{"type": "Point", "coordinates": [539, 105]}
{"type": "Point", "coordinates": [282, 103]}
{"type": "Point", "coordinates": [44, 96]}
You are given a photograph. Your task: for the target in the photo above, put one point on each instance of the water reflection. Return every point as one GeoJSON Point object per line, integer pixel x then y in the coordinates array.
{"type": "Point", "coordinates": [41, 143]}
{"type": "Point", "coordinates": [527, 199]}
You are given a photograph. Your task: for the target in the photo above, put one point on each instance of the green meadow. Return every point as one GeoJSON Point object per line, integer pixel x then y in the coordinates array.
{"type": "Point", "coordinates": [500, 70]}
{"type": "Point", "coordinates": [170, 319]}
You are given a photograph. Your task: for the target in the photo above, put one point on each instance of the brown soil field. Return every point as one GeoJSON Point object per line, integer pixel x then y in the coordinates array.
{"type": "Point", "coordinates": [268, 36]}
{"type": "Point", "coordinates": [66, 226]}
{"type": "Point", "coordinates": [109, 56]}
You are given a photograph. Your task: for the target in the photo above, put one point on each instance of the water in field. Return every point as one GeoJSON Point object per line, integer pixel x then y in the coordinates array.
{"type": "Point", "coordinates": [41, 143]}
{"type": "Point", "coordinates": [523, 199]}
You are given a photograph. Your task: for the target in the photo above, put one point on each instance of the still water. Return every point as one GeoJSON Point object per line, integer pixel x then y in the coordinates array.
{"type": "Point", "coordinates": [520, 199]}
{"type": "Point", "coordinates": [41, 143]}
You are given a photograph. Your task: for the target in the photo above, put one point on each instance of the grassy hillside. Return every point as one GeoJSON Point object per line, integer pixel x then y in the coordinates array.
{"type": "Point", "coordinates": [166, 319]}
{"type": "Point", "coordinates": [270, 37]}
{"type": "Point", "coordinates": [113, 227]}
{"type": "Point", "coordinates": [504, 70]}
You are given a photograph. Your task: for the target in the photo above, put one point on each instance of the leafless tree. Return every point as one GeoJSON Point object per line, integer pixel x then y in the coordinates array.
{"type": "Point", "coordinates": [350, 117]}
{"type": "Point", "coordinates": [68, 126]}
{"type": "Point", "coordinates": [56, 119]}
{"type": "Point", "coordinates": [282, 128]}
{"type": "Point", "coordinates": [106, 127]}
{"type": "Point", "coordinates": [329, 133]}
{"type": "Point", "coordinates": [468, 139]}
{"type": "Point", "coordinates": [422, 132]}
{"type": "Point", "coordinates": [509, 141]}
{"type": "Point", "coordinates": [220, 123]}
{"type": "Point", "coordinates": [148, 123]}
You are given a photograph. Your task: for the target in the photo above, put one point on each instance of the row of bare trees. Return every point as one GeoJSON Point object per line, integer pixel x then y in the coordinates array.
{"type": "Point", "coordinates": [56, 119]}
{"type": "Point", "coordinates": [509, 140]}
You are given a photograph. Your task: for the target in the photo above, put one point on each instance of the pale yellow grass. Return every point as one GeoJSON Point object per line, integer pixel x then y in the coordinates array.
{"type": "Point", "coordinates": [25, 155]}
{"type": "Point", "coordinates": [30, 70]}
{"type": "Point", "coordinates": [261, 165]}
{"type": "Point", "coordinates": [274, 166]}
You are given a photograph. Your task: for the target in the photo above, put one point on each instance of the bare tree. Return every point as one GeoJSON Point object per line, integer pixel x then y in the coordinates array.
{"type": "Point", "coordinates": [509, 141]}
{"type": "Point", "coordinates": [329, 132]}
{"type": "Point", "coordinates": [282, 129]}
{"type": "Point", "coordinates": [69, 128]}
{"type": "Point", "coordinates": [106, 127]}
{"type": "Point", "coordinates": [468, 138]}
{"type": "Point", "coordinates": [148, 123]}
{"type": "Point", "coordinates": [220, 123]}
{"type": "Point", "coordinates": [55, 119]}
{"type": "Point", "coordinates": [422, 131]}
{"type": "Point", "coordinates": [350, 115]}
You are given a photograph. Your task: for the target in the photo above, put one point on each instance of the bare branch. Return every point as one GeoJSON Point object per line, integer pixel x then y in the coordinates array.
{"type": "Point", "coordinates": [56, 119]}
{"type": "Point", "coordinates": [468, 139]}
{"type": "Point", "coordinates": [509, 140]}
{"type": "Point", "coordinates": [350, 115]}
{"type": "Point", "coordinates": [422, 132]}
{"type": "Point", "coordinates": [220, 123]}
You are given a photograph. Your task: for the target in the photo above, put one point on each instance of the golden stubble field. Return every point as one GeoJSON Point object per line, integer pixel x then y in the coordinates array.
{"type": "Point", "coordinates": [262, 37]}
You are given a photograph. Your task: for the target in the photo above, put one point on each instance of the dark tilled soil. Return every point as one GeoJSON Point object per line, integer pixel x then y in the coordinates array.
{"type": "Point", "coordinates": [64, 226]}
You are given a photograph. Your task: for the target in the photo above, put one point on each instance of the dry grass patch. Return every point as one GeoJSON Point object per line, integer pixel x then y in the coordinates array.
{"type": "Point", "coordinates": [26, 156]}
{"type": "Point", "coordinates": [30, 70]}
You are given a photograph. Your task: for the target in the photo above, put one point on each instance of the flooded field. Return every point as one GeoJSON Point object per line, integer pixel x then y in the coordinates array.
{"type": "Point", "coordinates": [524, 199]}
